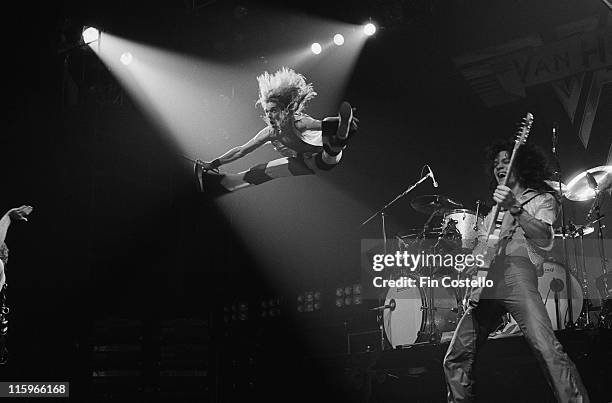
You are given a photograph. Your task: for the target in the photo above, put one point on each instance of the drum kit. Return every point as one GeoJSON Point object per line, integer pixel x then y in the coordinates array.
{"type": "Point", "coordinates": [428, 314]}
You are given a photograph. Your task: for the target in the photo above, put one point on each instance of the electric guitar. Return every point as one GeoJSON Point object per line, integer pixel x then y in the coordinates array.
{"type": "Point", "coordinates": [490, 247]}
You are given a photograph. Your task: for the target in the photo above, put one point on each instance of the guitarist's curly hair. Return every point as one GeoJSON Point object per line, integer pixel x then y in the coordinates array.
{"type": "Point", "coordinates": [531, 165]}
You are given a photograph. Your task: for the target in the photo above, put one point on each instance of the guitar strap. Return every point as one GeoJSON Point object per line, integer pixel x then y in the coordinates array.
{"type": "Point", "coordinates": [508, 237]}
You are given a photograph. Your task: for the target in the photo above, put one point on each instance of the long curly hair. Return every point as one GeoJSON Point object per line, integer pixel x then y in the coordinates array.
{"type": "Point", "coordinates": [531, 165]}
{"type": "Point", "coordinates": [285, 87]}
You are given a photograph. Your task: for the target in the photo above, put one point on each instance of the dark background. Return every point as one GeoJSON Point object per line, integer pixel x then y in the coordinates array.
{"type": "Point", "coordinates": [118, 233]}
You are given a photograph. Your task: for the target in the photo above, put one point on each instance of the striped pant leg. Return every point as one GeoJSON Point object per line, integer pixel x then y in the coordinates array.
{"type": "Point", "coordinates": [281, 168]}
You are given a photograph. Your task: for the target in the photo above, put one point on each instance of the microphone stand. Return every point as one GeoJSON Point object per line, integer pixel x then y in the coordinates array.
{"type": "Point", "coordinates": [384, 232]}
{"type": "Point", "coordinates": [386, 206]}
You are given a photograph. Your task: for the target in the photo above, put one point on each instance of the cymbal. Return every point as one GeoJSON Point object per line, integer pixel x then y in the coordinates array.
{"type": "Point", "coordinates": [555, 186]}
{"type": "Point", "coordinates": [430, 204]}
{"type": "Point", "coordinates": [579, 188]}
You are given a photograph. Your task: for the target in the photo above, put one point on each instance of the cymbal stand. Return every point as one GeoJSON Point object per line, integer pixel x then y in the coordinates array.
{"type": "Point", "coordinates": [568, 279]}
{"type": "Point", "coordinates": [605, 318]}
{"type": "Point", "coordinates": [595, 214]}
{"type": "Point", "coordinates": [433, 332]}
{"type": "Point", "coordinates": [584, 320]}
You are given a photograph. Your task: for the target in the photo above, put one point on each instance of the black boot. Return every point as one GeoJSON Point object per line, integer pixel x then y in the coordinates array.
{"type": "Point", "coordinates": [209, 182]}
{"type": "Point", "coordinates": [337, 130]}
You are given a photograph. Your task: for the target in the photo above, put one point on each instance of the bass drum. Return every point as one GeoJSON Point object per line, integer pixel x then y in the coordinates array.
{"type": "Point", "coordinates": [404, 323]}
{"type": "Point", "coordinates": [554, 277]}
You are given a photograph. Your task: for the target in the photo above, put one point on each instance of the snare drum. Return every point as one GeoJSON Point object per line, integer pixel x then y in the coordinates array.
{"type": "Point", "coordinates": [408, 319]}
{"type": "Point", "coordinates": [465, 224]}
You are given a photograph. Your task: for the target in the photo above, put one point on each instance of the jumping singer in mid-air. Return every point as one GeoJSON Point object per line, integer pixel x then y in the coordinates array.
{"type": "Point", "coordinates": [307, 145]}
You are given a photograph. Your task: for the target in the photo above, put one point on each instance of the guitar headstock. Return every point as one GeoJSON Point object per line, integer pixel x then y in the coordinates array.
{"type": "Point", "coordinates": [523, 132]}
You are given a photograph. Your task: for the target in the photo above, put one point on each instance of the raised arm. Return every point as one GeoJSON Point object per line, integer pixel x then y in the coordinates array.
{"type": "Point", "coordinates": [18, 213]}
{"type": "Point", "coordinates": [238, 152]}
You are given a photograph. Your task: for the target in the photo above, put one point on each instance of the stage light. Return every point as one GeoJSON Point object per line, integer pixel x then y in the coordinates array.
{"type": "Point", "coordinates": [126, 58]}
{"type": "Point", "coordinates": [369, 29]}
{"type": "Point", "coordinates": [316, 48]}
{"type": "Point", "coordinates": [338, 39]}
{"type": "Point", "coordinates": [90, 34]}
{"type": "Point", "coordinates": [309, 301]}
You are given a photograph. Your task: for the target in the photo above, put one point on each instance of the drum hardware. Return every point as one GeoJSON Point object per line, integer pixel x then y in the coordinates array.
{"type": "Point", "coordinates": [434, 204]}
{"type": "Point", "coordinates": [380, 319]}
{"type": "Point", "coordinates": [391, 305]}
{"type": "Point", "coordinates": [575, 231]}
{"type": "Point", "coordinates": [591, 185]}
{"type": "Point", "coordinates": [563, 191]}
{"type": "Point", "coordinates": [431, 333]}
{"type": "Point", "coordinates": [579, 231]}
{"type": "Point", "coordinates": [477, 214]}
{"type": "Point", "coordinates": [463, 224]}
{"type": "Point", "coordinates": [381, 211]}
{"type": "Point", "coordinates": [556, 286]}
{"type": "Point", "coordinates": [450, 238]}
{"type": "Point", "coordinates": [570, 320]}
{"type": "Point", "coordinates": [604, 286]}
{"type": "Point", "coordinates": [605, 316]}
{"type": "Point", "coordinates": [553, 282]}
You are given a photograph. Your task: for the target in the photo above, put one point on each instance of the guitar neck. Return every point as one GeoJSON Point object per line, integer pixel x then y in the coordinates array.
{"type": "Point", "coordinates": [497, 208]}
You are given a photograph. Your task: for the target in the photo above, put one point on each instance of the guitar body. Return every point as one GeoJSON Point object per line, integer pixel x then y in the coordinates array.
{"type": "Point", "coordinates": [488, 250]}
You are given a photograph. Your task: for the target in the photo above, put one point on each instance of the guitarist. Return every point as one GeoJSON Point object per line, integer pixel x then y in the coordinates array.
{"type": "Point", "coordinates": [529, 208]}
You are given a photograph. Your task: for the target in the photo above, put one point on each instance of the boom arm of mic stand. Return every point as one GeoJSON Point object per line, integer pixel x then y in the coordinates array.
{"type": "Point", "coordinates": [404, 193]}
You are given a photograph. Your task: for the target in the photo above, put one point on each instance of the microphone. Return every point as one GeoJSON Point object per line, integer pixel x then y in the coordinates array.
{"type": "Point", "coordinates": [433, 178]}
{"type": "Point", "coordinates": [554, 138]}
